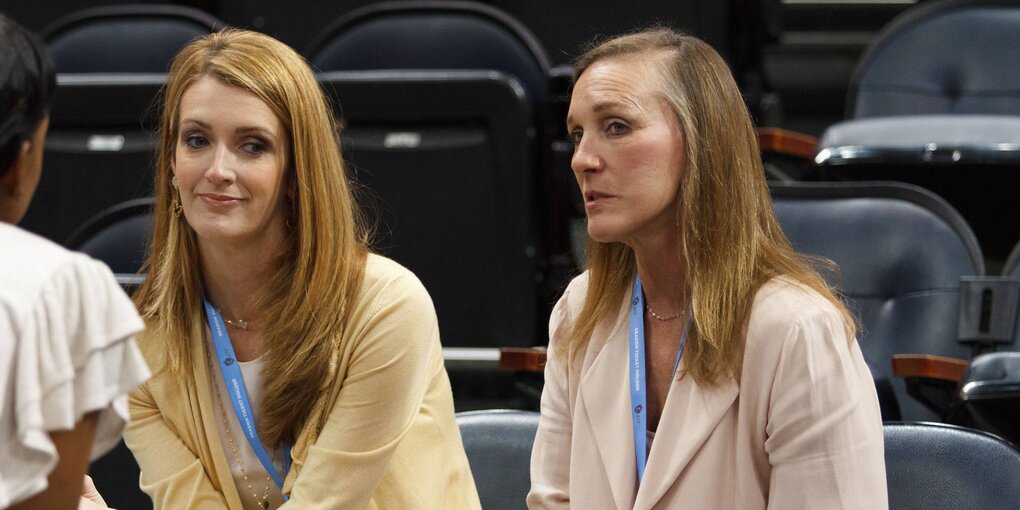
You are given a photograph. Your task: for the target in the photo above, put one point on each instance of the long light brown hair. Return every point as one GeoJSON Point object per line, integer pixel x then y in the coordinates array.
{"type": "Point", "coordinates": [303, 308]}
{"type": "Point", "coordinates": [732, 242]}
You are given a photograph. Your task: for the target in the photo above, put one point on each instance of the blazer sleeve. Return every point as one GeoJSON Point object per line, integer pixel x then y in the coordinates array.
{"type": "Point", "coordinates": [394, 354]}
{"type": "Point", "coordinates": [550, 456]}
{"type": "Point", "coordinates": [172, 474]}
{"type": "Point", "coordinates": [824, 430]}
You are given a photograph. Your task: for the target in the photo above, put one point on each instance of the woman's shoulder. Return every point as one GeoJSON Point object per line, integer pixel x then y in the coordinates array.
{"type": "Point", "coordinates": [385, 281]}
{"type": "Point", "coordinates": [37, 272]}
{"type": "Point", "coordinates": [784, 307]}
{"type": "Point", "coordinates": [28, 257]}
{"type": "Point", "coordinates": [382, 272]}
{"type": "Point", "coordinates": [575, 293]}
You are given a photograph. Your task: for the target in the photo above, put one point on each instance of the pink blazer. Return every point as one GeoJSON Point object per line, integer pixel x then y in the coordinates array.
{"type": "Point", "coordinates": [802, 430]}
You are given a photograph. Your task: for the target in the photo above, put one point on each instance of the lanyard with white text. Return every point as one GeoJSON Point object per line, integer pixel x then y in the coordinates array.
{"type": "Point", "coordinates": [638, 399]}
{"type": "Point", "coordinates": [239, 395]}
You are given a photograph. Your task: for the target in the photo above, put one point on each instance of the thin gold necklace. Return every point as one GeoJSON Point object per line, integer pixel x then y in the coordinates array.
{"type": "Point", "coordinates": [264, 502]}
{"type": "Point", "coordinates": [237, 323]}
{"type": "Point", "coordinates": [661, 318]}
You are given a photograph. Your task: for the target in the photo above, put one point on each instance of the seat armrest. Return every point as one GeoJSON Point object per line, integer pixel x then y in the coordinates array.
{"type": "Point", "coordinates": [927, 366]}
{"type": "Point", "coordinates": [932, 381]}
{"type": "Point", "coordinates": [787, 143]}
{"type": "Point", "coordinates": [518, 359]}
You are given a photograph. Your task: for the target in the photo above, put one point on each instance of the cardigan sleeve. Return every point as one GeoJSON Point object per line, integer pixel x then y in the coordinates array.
{"type": "Point", "coordinates": [824, 431]}
{"type": "Point", "coordinates": [172, 474]}
{"type": "Point", "coordinates": [550, 456]}
{"type": "Point", "coordinates": [394, 353]}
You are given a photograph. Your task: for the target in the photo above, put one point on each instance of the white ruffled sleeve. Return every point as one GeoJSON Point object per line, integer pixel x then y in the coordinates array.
{"type": "Point", "coordinates": [74, 353]}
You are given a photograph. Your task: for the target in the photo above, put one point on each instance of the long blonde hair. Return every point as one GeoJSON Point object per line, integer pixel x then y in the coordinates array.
{"type": "Point", "coordinates": [732, 242]}
{"type": "Point", "coordinates": [304, 306]}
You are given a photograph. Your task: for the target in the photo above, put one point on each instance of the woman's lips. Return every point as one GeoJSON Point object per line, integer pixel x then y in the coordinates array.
{"type": "Point", "coordinates": [216, 200]}
{"type": "Point", "coordinates": [595, 198]}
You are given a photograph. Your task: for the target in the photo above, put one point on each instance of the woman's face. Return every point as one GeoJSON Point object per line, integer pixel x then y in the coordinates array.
{"type": "Point", "coordinates": [628, 150]}
{"type": "Point", "coordinates": [230, 164]}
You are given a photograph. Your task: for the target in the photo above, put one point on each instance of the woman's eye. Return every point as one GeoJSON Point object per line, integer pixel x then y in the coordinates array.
{"type": "Point", "coordinates": [575, 136]}
{"type": "Point", "coordinates": [195, 141]}
{"type": "Point", "coordinates": [254, 147]}
{"type": "Point", "coordinates": [616, 128]}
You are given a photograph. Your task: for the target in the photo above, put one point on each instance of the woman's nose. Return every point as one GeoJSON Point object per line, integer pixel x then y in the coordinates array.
{"type": "Point", "coordinates": [585, 158]}
{"type": "Point", "coordinates": [221, 167]}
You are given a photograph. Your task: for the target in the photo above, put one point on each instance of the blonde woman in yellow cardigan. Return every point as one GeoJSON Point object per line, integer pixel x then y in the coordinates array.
{"type": "Point", "coordinates": [293, 368]}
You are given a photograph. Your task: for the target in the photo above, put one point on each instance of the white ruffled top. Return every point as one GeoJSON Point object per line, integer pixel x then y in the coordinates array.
{"type": "Point", "coordinates": [66, 349]}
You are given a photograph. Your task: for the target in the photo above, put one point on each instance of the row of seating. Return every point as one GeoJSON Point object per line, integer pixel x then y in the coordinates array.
{"type": "Point", "coordinates": [928, 466]}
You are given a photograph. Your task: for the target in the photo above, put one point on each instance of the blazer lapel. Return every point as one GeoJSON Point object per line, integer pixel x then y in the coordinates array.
{"type": "Point", "coordinates": [691, 414]}
{"type": "Point", "coordinates": [605, 393]}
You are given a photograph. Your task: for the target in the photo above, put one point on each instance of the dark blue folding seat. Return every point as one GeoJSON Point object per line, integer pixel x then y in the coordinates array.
{"type": "Point", "coordinates": [935, 101]}
{"type": "Point", "coordinates": [498, 445]}
{"type": "Point", "coordinates": [941, 467]}
{"type": "Point", "coordinates": [901, 252]}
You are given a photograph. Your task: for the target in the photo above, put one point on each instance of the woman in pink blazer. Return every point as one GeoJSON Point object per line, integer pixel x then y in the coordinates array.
{"type": "Point", "coordinates": [699, 362]}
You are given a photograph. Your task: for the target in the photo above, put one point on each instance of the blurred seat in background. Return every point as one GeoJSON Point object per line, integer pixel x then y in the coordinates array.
{"type": "Point", "coordinates": [934, 101]}
{"type": "Point", "coordinates": [443, 154]}
{"type": "Point", "coordinates": [451, 35]}
{"type": "Point", "coordinates": [118, 236]}
{"type": "Point", "coordinates": [941, 467]}
{"type": "Point", "coordinates": [125, 38]}
{"type": "Point", "coordinates": [901, 252]}
{"type": "Point", "coordinates": [498, 446]}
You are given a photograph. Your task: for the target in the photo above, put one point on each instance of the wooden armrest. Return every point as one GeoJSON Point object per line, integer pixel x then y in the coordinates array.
{"type": "Point", "coordinates": [517, 359]}
{"type": "Point", "coordinates": [929, 367]}
{"type": "Point", "coordinates": [790, 143]}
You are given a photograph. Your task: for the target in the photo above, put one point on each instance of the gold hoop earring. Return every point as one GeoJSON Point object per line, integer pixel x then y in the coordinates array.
{"type": "Point", "coordinates": [176, 206]}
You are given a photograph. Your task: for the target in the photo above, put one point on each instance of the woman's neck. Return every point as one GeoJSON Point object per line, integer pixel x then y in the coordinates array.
{"type": "Point", "coordinates": [663, 276]}
{"type": "Point", "coordinates": [234, 276]}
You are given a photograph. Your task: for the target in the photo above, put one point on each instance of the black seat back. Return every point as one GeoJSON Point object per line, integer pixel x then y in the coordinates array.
{"type": "Point", "coordinates": [443, 156]}
{"type": "Point", "coordinates": [434, 35]}
{"type": "Point", "coordinates": [125, 38]}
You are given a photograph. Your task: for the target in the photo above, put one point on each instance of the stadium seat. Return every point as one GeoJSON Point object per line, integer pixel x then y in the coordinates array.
{"type": "Point", "coordinates": [901, 252]}
{"type": "Point", "coordinates": [450, 35]}
{"type": "Point", "coordinates": [443, 156]}
{"type": "Point", "coordinates": [119, 236]}
{"type": "Point", "coordinates": [933, 103]}
{"type": "Point", "coordinates": [942, 467]}
{"type": "Point", "coordinates": [434, 35]}
{"type": "Point", "coordinates": [125, 38]}
{"type": "Point", "coordinates": [498, 446]}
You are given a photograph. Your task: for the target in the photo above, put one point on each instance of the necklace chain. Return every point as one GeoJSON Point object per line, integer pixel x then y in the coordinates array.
{"type": "Point", "coordinates": [661, 318]}
{"type": "Point", "coordinates": [264, 501]}
{"type": "Point", "coordinates": [237, 323]}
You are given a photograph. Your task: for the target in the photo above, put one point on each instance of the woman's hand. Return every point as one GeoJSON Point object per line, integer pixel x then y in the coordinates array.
{"type": "Point", "coordinates": [90, 497]}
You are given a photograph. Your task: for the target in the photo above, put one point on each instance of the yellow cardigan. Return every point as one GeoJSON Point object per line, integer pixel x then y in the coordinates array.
{"type": "Point", "coordinates": [383, 435]}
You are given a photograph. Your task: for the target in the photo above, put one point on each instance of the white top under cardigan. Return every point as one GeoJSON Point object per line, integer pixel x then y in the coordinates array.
{"type": "Point", "coordinates": [66, 349]}
{"type": "Point", "coordinates": [251, 373]}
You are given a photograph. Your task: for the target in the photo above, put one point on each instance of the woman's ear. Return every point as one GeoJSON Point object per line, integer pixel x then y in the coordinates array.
{"type": "Point", "coordinates": [14, 179]}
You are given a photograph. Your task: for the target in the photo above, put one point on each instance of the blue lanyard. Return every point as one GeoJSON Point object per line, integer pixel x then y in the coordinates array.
{"type": "Point", "coordinates": [638, 398]}
{"type": "Point", "coordinates": [239, 395]}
